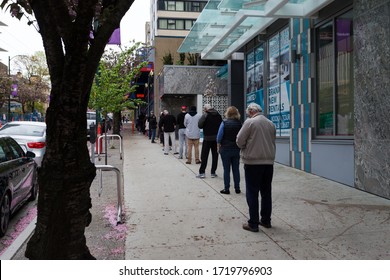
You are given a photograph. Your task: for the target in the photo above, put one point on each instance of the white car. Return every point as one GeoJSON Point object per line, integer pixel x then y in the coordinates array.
{"type": "Point", "coordinates": [31, 136]}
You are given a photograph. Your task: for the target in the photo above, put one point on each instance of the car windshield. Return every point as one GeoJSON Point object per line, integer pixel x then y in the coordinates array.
{"type": "Point", "coordinates": [17, 129]}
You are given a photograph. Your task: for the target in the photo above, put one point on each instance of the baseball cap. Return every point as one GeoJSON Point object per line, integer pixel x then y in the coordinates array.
{"type": "Point", "coordinates": [183, 107]}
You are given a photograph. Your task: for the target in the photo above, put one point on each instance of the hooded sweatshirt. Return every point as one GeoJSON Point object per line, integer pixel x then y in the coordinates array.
{"type": "Point", "coordinates": [191, 120]}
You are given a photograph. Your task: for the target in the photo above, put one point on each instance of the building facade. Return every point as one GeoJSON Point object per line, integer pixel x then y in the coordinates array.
{"type": "Point", "coordinates": [320, 71]}
{"type": "Point", "coordinates": [171, 22]}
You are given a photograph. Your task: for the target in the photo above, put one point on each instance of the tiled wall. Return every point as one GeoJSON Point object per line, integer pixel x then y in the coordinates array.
{"type": "Point", "coordinates": [302, 105]}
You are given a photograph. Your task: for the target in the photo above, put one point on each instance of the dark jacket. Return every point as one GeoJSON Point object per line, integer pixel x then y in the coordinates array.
{"type": "Point", "coordinates": [230, 131]}
{"type": "Point", "coordinates": [152, 122]}
{"type": "Point", "coordinates": [180, 119]}
{"type": "Point", "coordinates": [210, 122]}
{"type": "Point", "coordinates": [168, 123]}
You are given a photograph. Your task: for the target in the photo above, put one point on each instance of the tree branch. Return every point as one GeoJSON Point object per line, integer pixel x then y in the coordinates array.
{"type": "Point", "coordinates": [103, 35]}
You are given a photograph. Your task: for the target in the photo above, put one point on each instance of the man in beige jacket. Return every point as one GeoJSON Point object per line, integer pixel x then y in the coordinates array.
{"type": "Point", "coordinates": [256, 139]}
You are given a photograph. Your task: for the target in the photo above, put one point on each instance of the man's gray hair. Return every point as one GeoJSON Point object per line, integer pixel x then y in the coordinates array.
{"type": "Point", "coordinates": [207, 107]}
{"type": "Point", "coordinates": [166, 112]}
{"type": "Point", "coordinates": [254, 107]}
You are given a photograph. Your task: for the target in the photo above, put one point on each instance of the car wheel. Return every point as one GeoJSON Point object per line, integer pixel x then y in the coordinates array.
{"type": "Point", "coordinates": [5, 213]}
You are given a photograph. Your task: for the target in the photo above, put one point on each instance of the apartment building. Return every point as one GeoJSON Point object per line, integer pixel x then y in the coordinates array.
{"type": "Point", "coordinates": [170, 23]}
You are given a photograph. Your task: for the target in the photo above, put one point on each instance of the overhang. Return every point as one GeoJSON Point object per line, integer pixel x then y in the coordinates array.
{"type": "Point", "coordinates": [224, 26]}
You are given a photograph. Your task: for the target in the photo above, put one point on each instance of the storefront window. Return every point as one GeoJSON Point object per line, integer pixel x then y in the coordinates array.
{"type": "Point", "coordinates": [254, 76]}
{"type": "Point", "coordinates": [276, 104]}
{"type": "Point", "coordinates": [278, 92]}
{"type": "Point", "coordinates": [335, 77]}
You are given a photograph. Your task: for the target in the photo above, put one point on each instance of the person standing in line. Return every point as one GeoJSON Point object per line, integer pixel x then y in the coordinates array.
{"type": "Point", "coordinates": [152, 126]}
{"type": "Point", "coordinates": [210, 122]}
{"type": "Point", "coordinates": [142, 123]}
{"type": "Point", "coordinates": [228, 149]}
{"type": "Point", "coordinates": [256, 139]}
{"type": "Point", "coordinates": [182, 132]}
{"type": "Point", "coordinates": [161, 132]}
{"type": "Point", "coordinates": [168, 125]}
{"type": "Point", "coordinates": [147, 126]}
{"type": "Point", "coordinates": [191, 121]}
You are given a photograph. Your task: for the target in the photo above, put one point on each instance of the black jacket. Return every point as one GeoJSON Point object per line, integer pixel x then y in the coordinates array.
{"type": "Point", "coordinates": [210, 122]}
{"type": "Point", "coordinates": [230, 131]}
{"type": "Point", "coordinates": [180, 119]}
{"type": "Point", "coordinates": [168, 123]}
{"type": "Point", "coordinates": [152, 122]}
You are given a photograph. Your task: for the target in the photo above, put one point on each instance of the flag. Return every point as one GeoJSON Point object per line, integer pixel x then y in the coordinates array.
{"type": "Point", "coordinates": [14, 90]}
{"type": "Point", "coordinates": [115, 38]}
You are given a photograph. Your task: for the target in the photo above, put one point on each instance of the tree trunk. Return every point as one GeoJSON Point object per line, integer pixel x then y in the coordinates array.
{"type": "Point", "coordinates": [65, 176]}
{"type": "Point", "coordinates": [117, 123]}
{"type": "Point", "coordinates": [67, 172]}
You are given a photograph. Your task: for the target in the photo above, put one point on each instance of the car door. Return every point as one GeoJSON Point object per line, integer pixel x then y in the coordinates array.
{"type": "Point", "coordinates": [21, 172]}
{"type": "Point", "coordinates": [4, 174]}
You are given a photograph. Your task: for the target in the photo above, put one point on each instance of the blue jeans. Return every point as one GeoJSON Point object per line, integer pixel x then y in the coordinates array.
{"type": "Point", "coordinates": [258, 178]}
{"type": "Point", "coordinates": [182, 142]}
{"type": "Point", "coordinates": [152, 133]}
{"type": "Point", "coordinates": [231, 158]}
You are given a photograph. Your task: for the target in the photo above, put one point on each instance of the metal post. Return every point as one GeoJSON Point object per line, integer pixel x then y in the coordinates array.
{"type": "Point", "coordinates": [118, 187]}
{"type": "Point", "coordinates": [105, 140]}
{"type": "Point", "coordinates": [9, 94]}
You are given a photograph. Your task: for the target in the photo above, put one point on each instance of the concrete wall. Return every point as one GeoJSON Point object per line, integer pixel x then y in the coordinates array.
{"type": "Point", "coordinates": [372, 95]}
{"type": "Point", "coordinates": [190, 80]}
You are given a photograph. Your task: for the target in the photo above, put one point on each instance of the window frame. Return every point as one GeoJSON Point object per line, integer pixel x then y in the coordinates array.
{"type": "Point", "coordinates": [187, 6]}
{"type": "Point", "coordinates": [329, 19]}
{"type": "Point", "coordinates": [174, 23]}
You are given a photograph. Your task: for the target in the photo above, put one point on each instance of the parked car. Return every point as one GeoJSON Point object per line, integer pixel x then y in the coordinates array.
{"type": "Point", "coordinates": [91, 119]}
{"type": "Point", "coordinates": [31, 136]}
{"type": "Point", "coordinates": [18, 179]}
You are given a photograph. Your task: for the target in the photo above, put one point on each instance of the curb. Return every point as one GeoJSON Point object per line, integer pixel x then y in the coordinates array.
{"type": "Point", "coordinates": [19, 241]}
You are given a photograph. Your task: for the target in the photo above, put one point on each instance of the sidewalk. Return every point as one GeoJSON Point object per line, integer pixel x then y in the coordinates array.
{"type": "Point", "coordinates": [173, 215]}
{"type": "Point", "coordinates": [169, 214]}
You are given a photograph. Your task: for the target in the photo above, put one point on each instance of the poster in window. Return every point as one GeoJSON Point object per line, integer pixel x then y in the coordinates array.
{"type": "Point", "coordinates": [284, 69]}
{"type": "Point", "coordinates": [257, 95]}
{"type": "Point", "coordinates": [279, 82]}
{"type": "Point", "coordinates": [250, 73]}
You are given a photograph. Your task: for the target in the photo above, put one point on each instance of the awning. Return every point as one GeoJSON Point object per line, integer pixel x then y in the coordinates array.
{"type": "Point", "coordinates": [222, 73]}
{"type": "Point", "coordinates": [224, 26]}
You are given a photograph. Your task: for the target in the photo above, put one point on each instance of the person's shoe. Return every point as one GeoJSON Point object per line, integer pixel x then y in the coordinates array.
{"type": "Point", "coordinates": [213, 175]}
{"type": "Point", "coordinates": [225, 191]}
{"type": "Point", "coordinates": [249, 228]}
{"type": "Point", "coordinates": [153, 142]}
{"type": "Point", "coordinates": [265, 225]}
{"type": "Point", "coordinates": [176, 153]}
{"type": "Point", "coordinates": [165, 153]}
{"type": "Point", "coordinates": [238, 191]}
{"type": "Point", "coordinates": [201, 176]}
{"type": "Point", "coordinates": [180, 157]}
{"type": "Point", "coordinates": [198, 162]}
{"type": "Point", "coordinates": [188, 162]}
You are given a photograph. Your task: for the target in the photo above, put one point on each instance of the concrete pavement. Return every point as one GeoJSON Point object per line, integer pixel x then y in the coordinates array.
{"type": "Point", "coordinates": [171, 215]}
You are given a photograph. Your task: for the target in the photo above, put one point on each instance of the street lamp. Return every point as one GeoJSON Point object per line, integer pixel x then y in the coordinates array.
{"type": "Point", "coordinates": [14, 88]}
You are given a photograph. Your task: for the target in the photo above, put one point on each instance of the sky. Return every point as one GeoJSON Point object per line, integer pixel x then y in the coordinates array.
{"type": "Point", "coordinates": [18, 38]}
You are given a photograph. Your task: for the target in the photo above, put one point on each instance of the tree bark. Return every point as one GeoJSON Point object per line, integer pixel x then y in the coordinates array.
{"type": "Point", "coordinates": [117, 123]}
{"type": "Point", "coordinates": [67, 172]}
{"type": "Point", "coordinates": [65, 176]}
